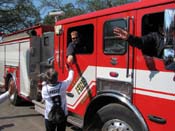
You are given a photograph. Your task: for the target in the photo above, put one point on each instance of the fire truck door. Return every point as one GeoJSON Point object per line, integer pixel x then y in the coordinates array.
{"type": "Point", "coordinates": [154, 83]}
{"type": "Point", "coordinates": [82, 87]}
{"type": "Point", "coordinates": [114, 57]}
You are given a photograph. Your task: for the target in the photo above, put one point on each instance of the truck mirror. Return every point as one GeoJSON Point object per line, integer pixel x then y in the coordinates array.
{"type": "Point", "coordinates": [169, 39]}
{"type": "Point", "coordinates": [58, 29]}
{"type": "Point", "coordinates": [169, 58]}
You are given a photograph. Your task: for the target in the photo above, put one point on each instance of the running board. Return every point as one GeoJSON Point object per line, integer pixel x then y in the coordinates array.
{"type": "Point", "coordinates": [75, 121]}
{"type": "Point", "coordinates": [39, 107]}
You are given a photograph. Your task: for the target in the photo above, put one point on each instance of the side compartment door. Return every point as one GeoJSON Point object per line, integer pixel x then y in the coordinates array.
{"type": "Point", "coordinates": [47, 51]}
{"type": "Point", "coordinates": [34, 63]}
{"type": "Point", "coordinates": [2, 63]}
{"type": "Point", "coordinates": [24, 78]}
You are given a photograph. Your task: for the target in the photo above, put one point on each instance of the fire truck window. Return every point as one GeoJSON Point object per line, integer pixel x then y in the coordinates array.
{"type": "Point", "coordinates": [111, 45]}
{"type": "Point", "coordinates": [151, 23]}
{"type": "Point", "coordinates": [46, 41]}
{"type": "Point", "coordinates": [86, 38]}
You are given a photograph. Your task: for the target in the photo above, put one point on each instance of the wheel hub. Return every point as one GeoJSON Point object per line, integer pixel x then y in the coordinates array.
{"type": "Point", "coordinates": [116, 125]}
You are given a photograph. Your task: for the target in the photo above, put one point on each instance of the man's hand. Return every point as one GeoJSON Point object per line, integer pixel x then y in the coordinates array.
{"type": "Point", "coordinates": [70, 59]}
{"type": "Point", "coordinates": [120, 33]}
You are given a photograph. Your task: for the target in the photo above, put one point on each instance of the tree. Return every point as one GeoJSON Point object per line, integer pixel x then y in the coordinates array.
{"type": "Point", "coordinates": [69, 9]}
{"type": "Point", "coordinates": [17, 14]}
{"type": "Point", "coordinates": [94, 5]}
{"type": "Point", "coordinates": [81, 7]}
{"type": "Point", "coordinates": [49, 20]}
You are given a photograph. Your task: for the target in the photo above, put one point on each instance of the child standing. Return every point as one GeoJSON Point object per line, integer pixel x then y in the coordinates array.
{"type": "Point", "coordinates": [52, 88]}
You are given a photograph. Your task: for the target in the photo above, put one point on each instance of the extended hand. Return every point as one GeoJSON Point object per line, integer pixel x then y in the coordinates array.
{"type": "Point", "coordinates": [120, 33]}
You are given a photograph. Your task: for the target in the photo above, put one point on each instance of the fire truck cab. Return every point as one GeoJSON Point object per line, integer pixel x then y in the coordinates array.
{"type": "Point", "coordinates": [117, 86]}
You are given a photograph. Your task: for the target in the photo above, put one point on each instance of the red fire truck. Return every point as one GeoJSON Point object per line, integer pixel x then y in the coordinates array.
{"type": "Point", "coordinates": [115, 86]}
{"type": "Point", "coordinates": [22, 57]}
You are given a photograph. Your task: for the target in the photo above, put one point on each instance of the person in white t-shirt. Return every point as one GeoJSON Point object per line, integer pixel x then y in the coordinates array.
{"type": "Point", "coordinates": [50, 89]}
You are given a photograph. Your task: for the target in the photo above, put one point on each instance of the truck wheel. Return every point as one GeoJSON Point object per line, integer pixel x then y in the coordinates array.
{"type": "Point", "coordinates": [115, 117]}
{"type": "Point", "coordinates": [14, 98]}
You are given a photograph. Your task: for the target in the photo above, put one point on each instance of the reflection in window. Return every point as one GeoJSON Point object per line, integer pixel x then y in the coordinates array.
{"type": "Point", "coordinates": [112, 45]}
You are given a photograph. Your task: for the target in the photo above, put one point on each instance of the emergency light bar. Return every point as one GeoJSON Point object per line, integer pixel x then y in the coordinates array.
{"type": "Point", "coordinates": [56, 13]}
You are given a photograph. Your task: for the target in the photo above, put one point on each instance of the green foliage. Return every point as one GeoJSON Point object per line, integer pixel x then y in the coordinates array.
{"type": "Point", "coordinates": [94, 5]}
{"type": "Point", "coordinates": [49, 20]}
{"type": "Point", "coordinates": [80, 7]}
{"type": "Point", "coordinates": [69, 9]}
{"type": "Point", "coordinates": [17, 14]}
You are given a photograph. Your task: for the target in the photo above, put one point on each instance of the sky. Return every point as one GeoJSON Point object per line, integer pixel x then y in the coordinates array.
{"type": "Point", "coordinates": [44, 12]}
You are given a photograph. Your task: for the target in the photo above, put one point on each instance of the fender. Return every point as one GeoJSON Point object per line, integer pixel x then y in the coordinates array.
{"type": "Point", "coordinates": [107, 97]}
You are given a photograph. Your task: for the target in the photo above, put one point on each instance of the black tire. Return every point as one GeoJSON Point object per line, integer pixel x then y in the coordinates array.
{"type": "Point", "coordinates": [115, 117]}
{"type": "Point", "coordinates": [14, 98]}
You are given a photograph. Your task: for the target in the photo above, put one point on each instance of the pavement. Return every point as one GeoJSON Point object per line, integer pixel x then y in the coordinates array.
{"type": "Point", "coordinates": [23, 118]}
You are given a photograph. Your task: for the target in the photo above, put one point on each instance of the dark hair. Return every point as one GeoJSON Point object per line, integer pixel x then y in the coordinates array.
{"type": "Point", "coordinates": [52, 76]}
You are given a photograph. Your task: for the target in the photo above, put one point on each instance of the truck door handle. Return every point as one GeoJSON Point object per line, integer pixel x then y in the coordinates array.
{"type": "Point", "coordinates": [69, 94]}
{"type": "Point", "coordinates": [113, 61]}
{"type": "Point", "coordinates": [157, 119]}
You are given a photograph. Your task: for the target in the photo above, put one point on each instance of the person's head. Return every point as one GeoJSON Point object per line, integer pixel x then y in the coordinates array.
{"type": "Point", "coordinates": [52, 76]}
{"type": "Point", "coordinates": [75, 37]}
